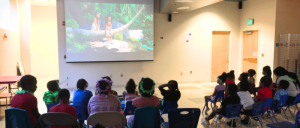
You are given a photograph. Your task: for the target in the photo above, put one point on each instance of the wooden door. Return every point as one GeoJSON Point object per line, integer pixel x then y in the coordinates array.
{"type": "Point", "coordinates": [250, 50]}
{"type": "Point", "coordinates": [220, 53]}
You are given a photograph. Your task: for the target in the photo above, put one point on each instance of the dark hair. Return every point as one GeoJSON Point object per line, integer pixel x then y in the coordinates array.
{"type": "Point", "coordinates": [63, 93]}
{"type": "Point", "coordinates": [147, 85]}
{"type": "Point", "coordinates": [81, 83]}
{"type": "Point", "coordinates": [107, 77]}
{"type": "Point", "coordinates": [244, 76]}
{"type": "Point", "coordinates": [251, 72]}
{"type": "Point", "coordinates": [244, 86]}
{"type": "Point", "coordinates": [98, 126]}
{"type": "Point", "coordinates": [267, 81]}
{"type": "Point", "coordinates": [102, 86]}
{"type": "Point", "coordinates": [130, 86]}
{"type": "Point", "coordinates": [175, 87]}
{"type": "Point", "coordinates": [268, 70]}
{"type": "Point", "coordinates": [284, 84]}
{"type": "Point", "coordinates": [230, 75]}
{"type": "Point", "coordinates": [280, 71]}
{"type": "Point", "coordinates": [52, 86]}
{"type": "Point", "coordinates": [223, 77]}
{"type": "Point", "coordinates": [232, 89]}
{"type": "Point", "coordinates": [27, 81]}
{"type": "Point", "coordinates": [295, 77]}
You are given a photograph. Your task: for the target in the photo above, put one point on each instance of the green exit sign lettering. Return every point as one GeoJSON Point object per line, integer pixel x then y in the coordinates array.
{"type": "Point", "coordinates": [250, 22]}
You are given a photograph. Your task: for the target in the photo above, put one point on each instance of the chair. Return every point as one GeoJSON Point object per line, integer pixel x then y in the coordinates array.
{"type": "Point", "coordinates": [267, 108]}
{"type": "Point", "coordinates": [129, 109]}
{"type": "Point", "coordinates": [50, 105]}
{"type": "Point", "coordinates": [219, 98]}
{"type": "Point", "coordinates": [296, 101]}
{"type": "Point", "coordinates": [106, 119]}
{"type": "Point", "coordinates": [232, 112]}
{"type": "Point", "coordinates": [169, 105]}
{"type": "Point", "coordinates": [183, 118]}
{"type": "Point", "coordinates": [286, 124]}
{"type": "Point", "coordinates": [256, 112]}
{"type": "Point", "coordinates": [147, 116]}
{"type": "Point", "coordinates": [58, 119]}
{"type": "Point", "coordinates": [280, 104]}
{"type": "Point", "coordinates": [80, 112]}
{"type": "Point", "coordinates": [17, 118]}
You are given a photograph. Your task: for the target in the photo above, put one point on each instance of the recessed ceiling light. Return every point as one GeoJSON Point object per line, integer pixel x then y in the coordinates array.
{"type": "Point", "coordinates": [184, 1]}
{"type": "Point", "coordinates": [183, 8]}
{"type": "Point", "coordinates": [175, 12]}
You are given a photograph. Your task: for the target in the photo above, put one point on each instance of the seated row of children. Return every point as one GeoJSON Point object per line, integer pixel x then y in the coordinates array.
{"type": "Point", "coordinates": [104, 100]}
{"type": "Point", "coordinates": [287, 84]}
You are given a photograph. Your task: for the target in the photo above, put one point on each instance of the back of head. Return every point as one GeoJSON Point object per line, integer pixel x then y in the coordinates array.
{"type": "Point", "coordinates": [280, 71]}
{"type": "Point", "coordinates": [103, 86]}
{"type": "Point", "coordinates": [284, 84]}
{"type": "Point", "coordinates": [232, 89]}
{"type": "Point", "coordinates": [27, 82]}
{"type": "Point", "coordinates": [81, 83]}
{"type": "Point", "coordinates": [223, 77]}
{"type": "Point", "coordinates": [63, 93]}
{"type": "Point", "coordinates": [52, 86]}
{"type": "Point", "coordinates": [267, 81]}
{"type": "Point", "coordinates": [146, 87]}
{"type": "Point", "coordinates": [244, 86]}
{"type": "Point", "coordinates": [267, 69]}
{"type": "Point", "coordinates": [251, 72]}
{"type": "Point", "coordinates": [244, 76]}
{"type": "Point", "coordinates": [107, 77]}
{"type": "Point", "coordinates": [230, 75]}
{"type": "Point", "coordinates": [174, 85]}
{"type": "Point", "coordinates": [130, 86]}
{"type": "Point", "coordinates": [99, 126]}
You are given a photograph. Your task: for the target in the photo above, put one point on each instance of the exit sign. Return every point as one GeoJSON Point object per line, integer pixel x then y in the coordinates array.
{"type": "Point", "coordinates": [250, 22]}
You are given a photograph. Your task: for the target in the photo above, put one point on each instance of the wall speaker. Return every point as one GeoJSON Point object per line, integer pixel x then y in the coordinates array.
{"type": "Point", "coordinates": [170, 17]}
{"type": "Point", "coordinates": [240, 5]}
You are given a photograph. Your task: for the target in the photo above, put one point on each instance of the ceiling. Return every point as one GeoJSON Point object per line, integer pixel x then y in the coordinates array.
{"type": "Point", "coordinates": [43, 2]}
{"type": "Point", "coordinates": [171, 6]}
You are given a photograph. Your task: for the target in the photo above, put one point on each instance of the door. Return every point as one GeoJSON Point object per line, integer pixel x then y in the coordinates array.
{"type": "Point", "coordinates": [220, 53]}
{"type": "Point", "coordinates": [250, 50]}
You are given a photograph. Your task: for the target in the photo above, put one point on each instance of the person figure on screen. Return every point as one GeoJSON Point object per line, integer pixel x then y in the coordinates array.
{"type": "Point", "coordinates": [96, 23]}
{"type": "Point", "coordinates": [108, 27]}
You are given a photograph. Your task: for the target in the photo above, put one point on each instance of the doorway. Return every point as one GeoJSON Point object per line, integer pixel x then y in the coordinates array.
{"type": "Point", "coordinates": [250, 50]}
{"type": "Point", "coordinates": [220, 53]}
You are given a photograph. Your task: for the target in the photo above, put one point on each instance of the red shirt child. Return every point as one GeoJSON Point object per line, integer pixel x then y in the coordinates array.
{"type": "Point", "coordinates": [263, 94]}
{"type": "Point", "coordinates": [66, 109]}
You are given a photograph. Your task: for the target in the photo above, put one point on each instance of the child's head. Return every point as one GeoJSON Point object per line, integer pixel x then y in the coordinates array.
{"type": "Point", "coordinates": [232, 89]}
{"type": "Point", "coordinates": [63, 96]}
{"type": "Point", "coordinates": [230, 75]}
{"type": "Point", "coordinates": [103, 86]}
{"type": "Point", "coordinates": [267, 71]}
{"type": "Point", "coordinates": [222, 78]}
{"type": "Point", "coordinates": [52, 86]}
{"type": "Point", "coordinates": [243, 77]}
{"type": "Point", "coordinates": [98, 14]}
{"type": "Point", "coordinates": [244, 86]}
{"type": "Point", "coordinates": [173, 85]}
{"type": "Point", "coordinates": [99, 126]}
{"type": "Point", "coordinates": [280, 71]}
{"type": "Point", "coordinates": [109, 79]}
{"type": "Point", "coordinates": [283, 84]}
{"type": "Point", "coordinates": [265, 81]}
{"type": "Point", "coordinates": [28, 82]}
{"type": "Point", "coordinates": [251, 72]}
{"type": "Point", "coordinates": [82, 84]}
{"type": "Point", "coordinates": [130, 86]}
{"type": "Point", "coordinates": [146, 87]}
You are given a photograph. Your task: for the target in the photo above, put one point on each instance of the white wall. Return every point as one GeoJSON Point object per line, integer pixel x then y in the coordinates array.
{"type": "Point", "coordinates": [264, 13]}
{"type": "Point", "coordinates": [43, 42]}
{"type": "Point", "coordinates": [172, 55]}
{"type": "Point", "coordinates": [9, 15]}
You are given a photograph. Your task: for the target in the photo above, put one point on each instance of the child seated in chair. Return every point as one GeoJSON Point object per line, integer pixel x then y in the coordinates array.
{"type": "Point", "coordinates": [246, 100]}
{"type": "Point", "coordinates": [63, 106]}
{"type": "Point", "coordinates": [220, 87]}
{"type": "Point", "coordinates": [251, 80]}
{"type": "Point", "coordinates": [265, 92]}
{"type": "Point", "coordinates": [51, 95]}
{"type": "Point", "coordinates": [130, 92]}
{"type": "Point", "coordinates": [173, 94]}
{"type": "Point", "coordinates": [233, 98]}
{"type": "Point", "coordinates": [281, 90]}
{"type": "Point", "coordinates": [24, 99]}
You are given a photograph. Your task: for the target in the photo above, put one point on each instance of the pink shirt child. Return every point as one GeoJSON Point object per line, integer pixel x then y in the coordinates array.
{"type": "Point", "coordinates": [145, 101]}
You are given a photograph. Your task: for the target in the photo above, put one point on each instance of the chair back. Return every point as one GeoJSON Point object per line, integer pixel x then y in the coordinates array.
{"type": "Point", "coordinates": [58, 119]}
{"type": "Point", "coordinates": [219, 96]}
{"type": "Point", "coordinates": [129, 109]}
{"type": "Point", "coordinates": [80, 112]}
{"type": "Point", "coordinates": [147, 116]}
{"type": "Point", "coordinates": [17, 118]}
{"type": "Point", "coordinates": [282, 101]}
{"type": "Point", "coordinates": [257, 108]}
{"type": "Point", "coordinates": [50, 105]}
{"type": "Point", "coordinates": [297, 100]}
{"type": "Point", "coordinates": [109, 118]}
{"type": "Point", "coordinates": [233, 110]}
{"type": "Point", "coordinates": [169, 105]}
{"type": "Point", "coordinates": [297, 121]}
{"type": "Point", "coordinates": [184, 117]}
{"type": "Point", "coordinates": [267, 104]}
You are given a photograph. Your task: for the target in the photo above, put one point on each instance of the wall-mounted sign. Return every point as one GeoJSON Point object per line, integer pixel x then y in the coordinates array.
{"type": "Point", "coordinates": [254, 53]}
{"type": "Point", "coordinates": [250, 22]}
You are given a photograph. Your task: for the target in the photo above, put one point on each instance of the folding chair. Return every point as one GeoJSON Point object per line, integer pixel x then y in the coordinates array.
{"type": "Point", "coordinates": [129, 109]}
{"type": "Point", "coordinates": [147, 116]}
{"type": "Point", "coordinates": [280, 104]}
{"type": "Point", "coordinates": [287, 124]}
{"type": "Point", "coordinates": [296, 101]}
{"type": "Point", "coordinates": [232, 112]}
{"type": "Point", "coordinates": [257, 111]}
{"type": "Point", "coordinates": [183, 118]}
{"type": "Point", "coordinates": [17, 118]}
{"type": "Point", "coordinates": [58, 119]}
{"type": "Point", "coordinates": [219, 98]}
{"type": "Point", "coordinates": [106, 118]}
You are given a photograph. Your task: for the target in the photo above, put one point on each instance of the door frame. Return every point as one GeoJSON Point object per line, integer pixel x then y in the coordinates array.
{"type": "Point", "coordinates": [230, 49]}
{"type": "Point", "coordinates": [242, 50]}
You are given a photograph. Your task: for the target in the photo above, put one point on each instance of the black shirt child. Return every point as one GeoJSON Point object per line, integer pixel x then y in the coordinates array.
{"type": "Point", "coordinates": [169, 95]}
{"type": "Point", "coordinates": [235, 99]}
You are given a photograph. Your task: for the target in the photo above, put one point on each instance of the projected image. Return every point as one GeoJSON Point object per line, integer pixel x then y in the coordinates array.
{"type": "Point", "coordinates": [108, 27]}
